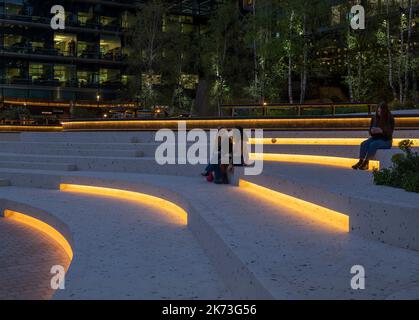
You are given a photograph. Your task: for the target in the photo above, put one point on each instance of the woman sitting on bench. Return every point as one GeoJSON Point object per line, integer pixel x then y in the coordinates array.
{"type": "Point", "coordinates": [381, 132]}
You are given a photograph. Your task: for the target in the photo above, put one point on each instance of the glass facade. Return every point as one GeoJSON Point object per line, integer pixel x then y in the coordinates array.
{"type": "Point", "coordinates": [85, 60]}
{"type": "Point", "coordinates": [75, 64]}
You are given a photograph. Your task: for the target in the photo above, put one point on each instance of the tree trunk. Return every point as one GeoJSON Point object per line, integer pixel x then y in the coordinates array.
{"type": "Point", "coordinates": [348, 66]}
{"type": "Point", "coordinates": [401, 56]}
{"type": "Point", "coordinates": [304, 71]}
{"type": "Point", "coordinates": [350, 86]}
{"type": "Point", "coordinates": [291, 100]}
{"type": "Point", "coordinates": [201, 104]}
{"type": "Point", "coordinates": [255, 59]}
{"type": "Point", "coordinates": [409, 42]}
{"type": "Point", "coordinates": [414, 88]}
{"type": "Point", "coordinates": [390, 54]}
{"type": "Point", "coordinates": [359, 78]}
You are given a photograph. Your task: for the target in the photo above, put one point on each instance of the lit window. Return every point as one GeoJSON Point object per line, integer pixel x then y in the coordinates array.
{"type": "Point", "coordinates": [65, 44]}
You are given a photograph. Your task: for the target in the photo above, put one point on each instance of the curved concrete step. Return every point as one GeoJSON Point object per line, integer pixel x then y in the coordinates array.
{"type": "Point", "coordinates": [96, 149]}
{"type": "Point", "coordinates": [68, 145]}
{"type": "Point", "coordinates": [263, 250]}
{"type": "Point", "coordinates": [85, 152]}
{"type": "Point", "coordinates": [138, 251]}
{"type": "Point", "coordinates": [389, 215]}
{"type": "Point", "coordinates": [107, 164]}
{"type": "Point", "coordinates": [89, 137]}
{"type": "Point", "coordinates": [38, 165]}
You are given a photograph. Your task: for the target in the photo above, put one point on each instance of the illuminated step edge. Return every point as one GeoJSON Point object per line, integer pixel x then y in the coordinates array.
{"type": "Point", "coordinates": [321, 141]}
{"type": "Point", "coordinates": [325, 216]}
{"type": "Point", "coordinates": [273, 123]}
{"type": "Point", "coordinates": [12, 128]}
{"type": "Point", "coordinates": [311, 159]}
{"type": "Point", "coordinates": [42, 227]}
{"type": "Point", "coordinates": [201, 222]}
{"type": "Point", "coordinates": [160, 203]}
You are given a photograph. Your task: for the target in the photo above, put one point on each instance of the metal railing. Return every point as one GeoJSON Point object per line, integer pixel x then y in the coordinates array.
{"type": "Point", "coordinates": [264, 110]}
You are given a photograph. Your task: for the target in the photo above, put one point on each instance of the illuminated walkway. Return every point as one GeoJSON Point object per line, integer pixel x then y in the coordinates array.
{"type": "Point", "coordinates": [260, 249]}
{"type": "Point", "coordinates": [26, 258]}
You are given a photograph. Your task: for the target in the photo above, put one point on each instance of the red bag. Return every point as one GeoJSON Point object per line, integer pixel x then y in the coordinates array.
{"type": "Point", "coordinates": [210, 177]}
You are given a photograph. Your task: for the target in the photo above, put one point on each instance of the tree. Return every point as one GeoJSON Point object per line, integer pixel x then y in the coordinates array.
{"type": "Point", "coordinates": [364, 59]}
{"type": "Point", "coordinates": [219, 43]}
{"type": "Point", "coordinates": [258, 37]}
{"type": "Point", "coordinates": [407, 68]}
{"type": "Point", "coordinates": [400, 57]}
{"type": "Point", "coordinates": [175, 65]}
{"type": "Point", "coordinates": [285, 29]}
{"type": "Point", "coordinates": [389, 51]}
{"type": "Point", "coordinates": [402, 28]}
{"type": "Point", "coordinates": [269, 50]}
{"type": "Point", "coordinates": [147, 42]}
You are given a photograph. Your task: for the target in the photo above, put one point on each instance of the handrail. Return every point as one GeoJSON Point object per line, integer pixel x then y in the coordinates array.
{"type": "Point", "coordinates": [265, 108]}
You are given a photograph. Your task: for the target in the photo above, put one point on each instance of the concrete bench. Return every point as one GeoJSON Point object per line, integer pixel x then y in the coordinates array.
{"type": "Point", "coordinates": [385, 156]}
{"type": "Point", "coordinates": [235, 175]}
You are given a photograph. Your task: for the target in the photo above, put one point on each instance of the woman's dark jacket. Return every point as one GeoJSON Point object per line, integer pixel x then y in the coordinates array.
{"type": "Point", "coordinates": [386, 126]}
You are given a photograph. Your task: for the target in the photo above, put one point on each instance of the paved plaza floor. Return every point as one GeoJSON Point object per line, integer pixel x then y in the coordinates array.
{"type": "Point", "coordinates": [26, 260]}
{"type": "Point", "coordinates": [126, 251]}
{"type": "Point", "coordinates": [123, 250]}
{"type": "Point", "coordinates": [238, 242]}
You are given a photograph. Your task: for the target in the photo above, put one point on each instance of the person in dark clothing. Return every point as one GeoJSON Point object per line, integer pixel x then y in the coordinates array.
{"type": "Point", "coordinates": [381, 132]}
{"type": "Point", "coordinates": [219, 168]}
{"type": "Point", "coordinates": [241, 140]}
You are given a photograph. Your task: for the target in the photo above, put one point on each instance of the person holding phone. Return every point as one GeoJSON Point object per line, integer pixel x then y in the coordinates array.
{"type": "Point", "coordinates": [381, 136]}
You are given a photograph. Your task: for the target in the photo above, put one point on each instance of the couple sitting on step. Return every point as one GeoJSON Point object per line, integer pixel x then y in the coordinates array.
{"type": "Point", "coordinates": [381, 132]}
{"type": "Point", "coordinates": [221, 162]}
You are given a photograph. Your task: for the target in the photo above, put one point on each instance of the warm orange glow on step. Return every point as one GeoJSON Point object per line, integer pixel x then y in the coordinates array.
{"type": "Point", "coordinates": [12, 128]}
{"type": "Point", "coordinates": [287, 124]}
{"type": "Point", "coordinates": [42, 227]}
{"type": "Point", "coordinates": [321, 141]}
{"type": "Point", "coordinates": [307, 141]}
{"type": "Point", "coordinates": [176, 214]}
{"type": "Point", "coordinates": [324, 216]}
{"type": "Point", "coordinates": [311, 159]}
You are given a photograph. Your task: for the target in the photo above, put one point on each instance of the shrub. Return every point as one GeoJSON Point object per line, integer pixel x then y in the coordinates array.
{"type": "Point", "coordinates": [383, 177]}
{"type": "Point", "coordinates": [412, 184]}
{"type": "Point", "coordinates": [404, 172]}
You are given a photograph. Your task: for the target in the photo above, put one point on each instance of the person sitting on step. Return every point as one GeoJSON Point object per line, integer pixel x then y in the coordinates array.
{"type": "Point", "coordinates": [381, 132]}
{"type": "Point", "coordinates": [220, 159]}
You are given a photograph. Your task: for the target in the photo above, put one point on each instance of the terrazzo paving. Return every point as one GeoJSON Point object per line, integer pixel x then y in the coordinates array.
{"type": "Point", "coordinates": [292, 257]}
{"type": "Point", "coordinates": [123, 250]}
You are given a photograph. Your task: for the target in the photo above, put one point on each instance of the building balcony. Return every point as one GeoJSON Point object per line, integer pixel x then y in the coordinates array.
{"type": "Point", "coordinates": [73, 24]}
{"type": "Point", "coordinates": [53, 83]}
{"type": "Point", "coordinates": [129, 4]}
{"type": "Point", "coordinates": [110, 57]}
